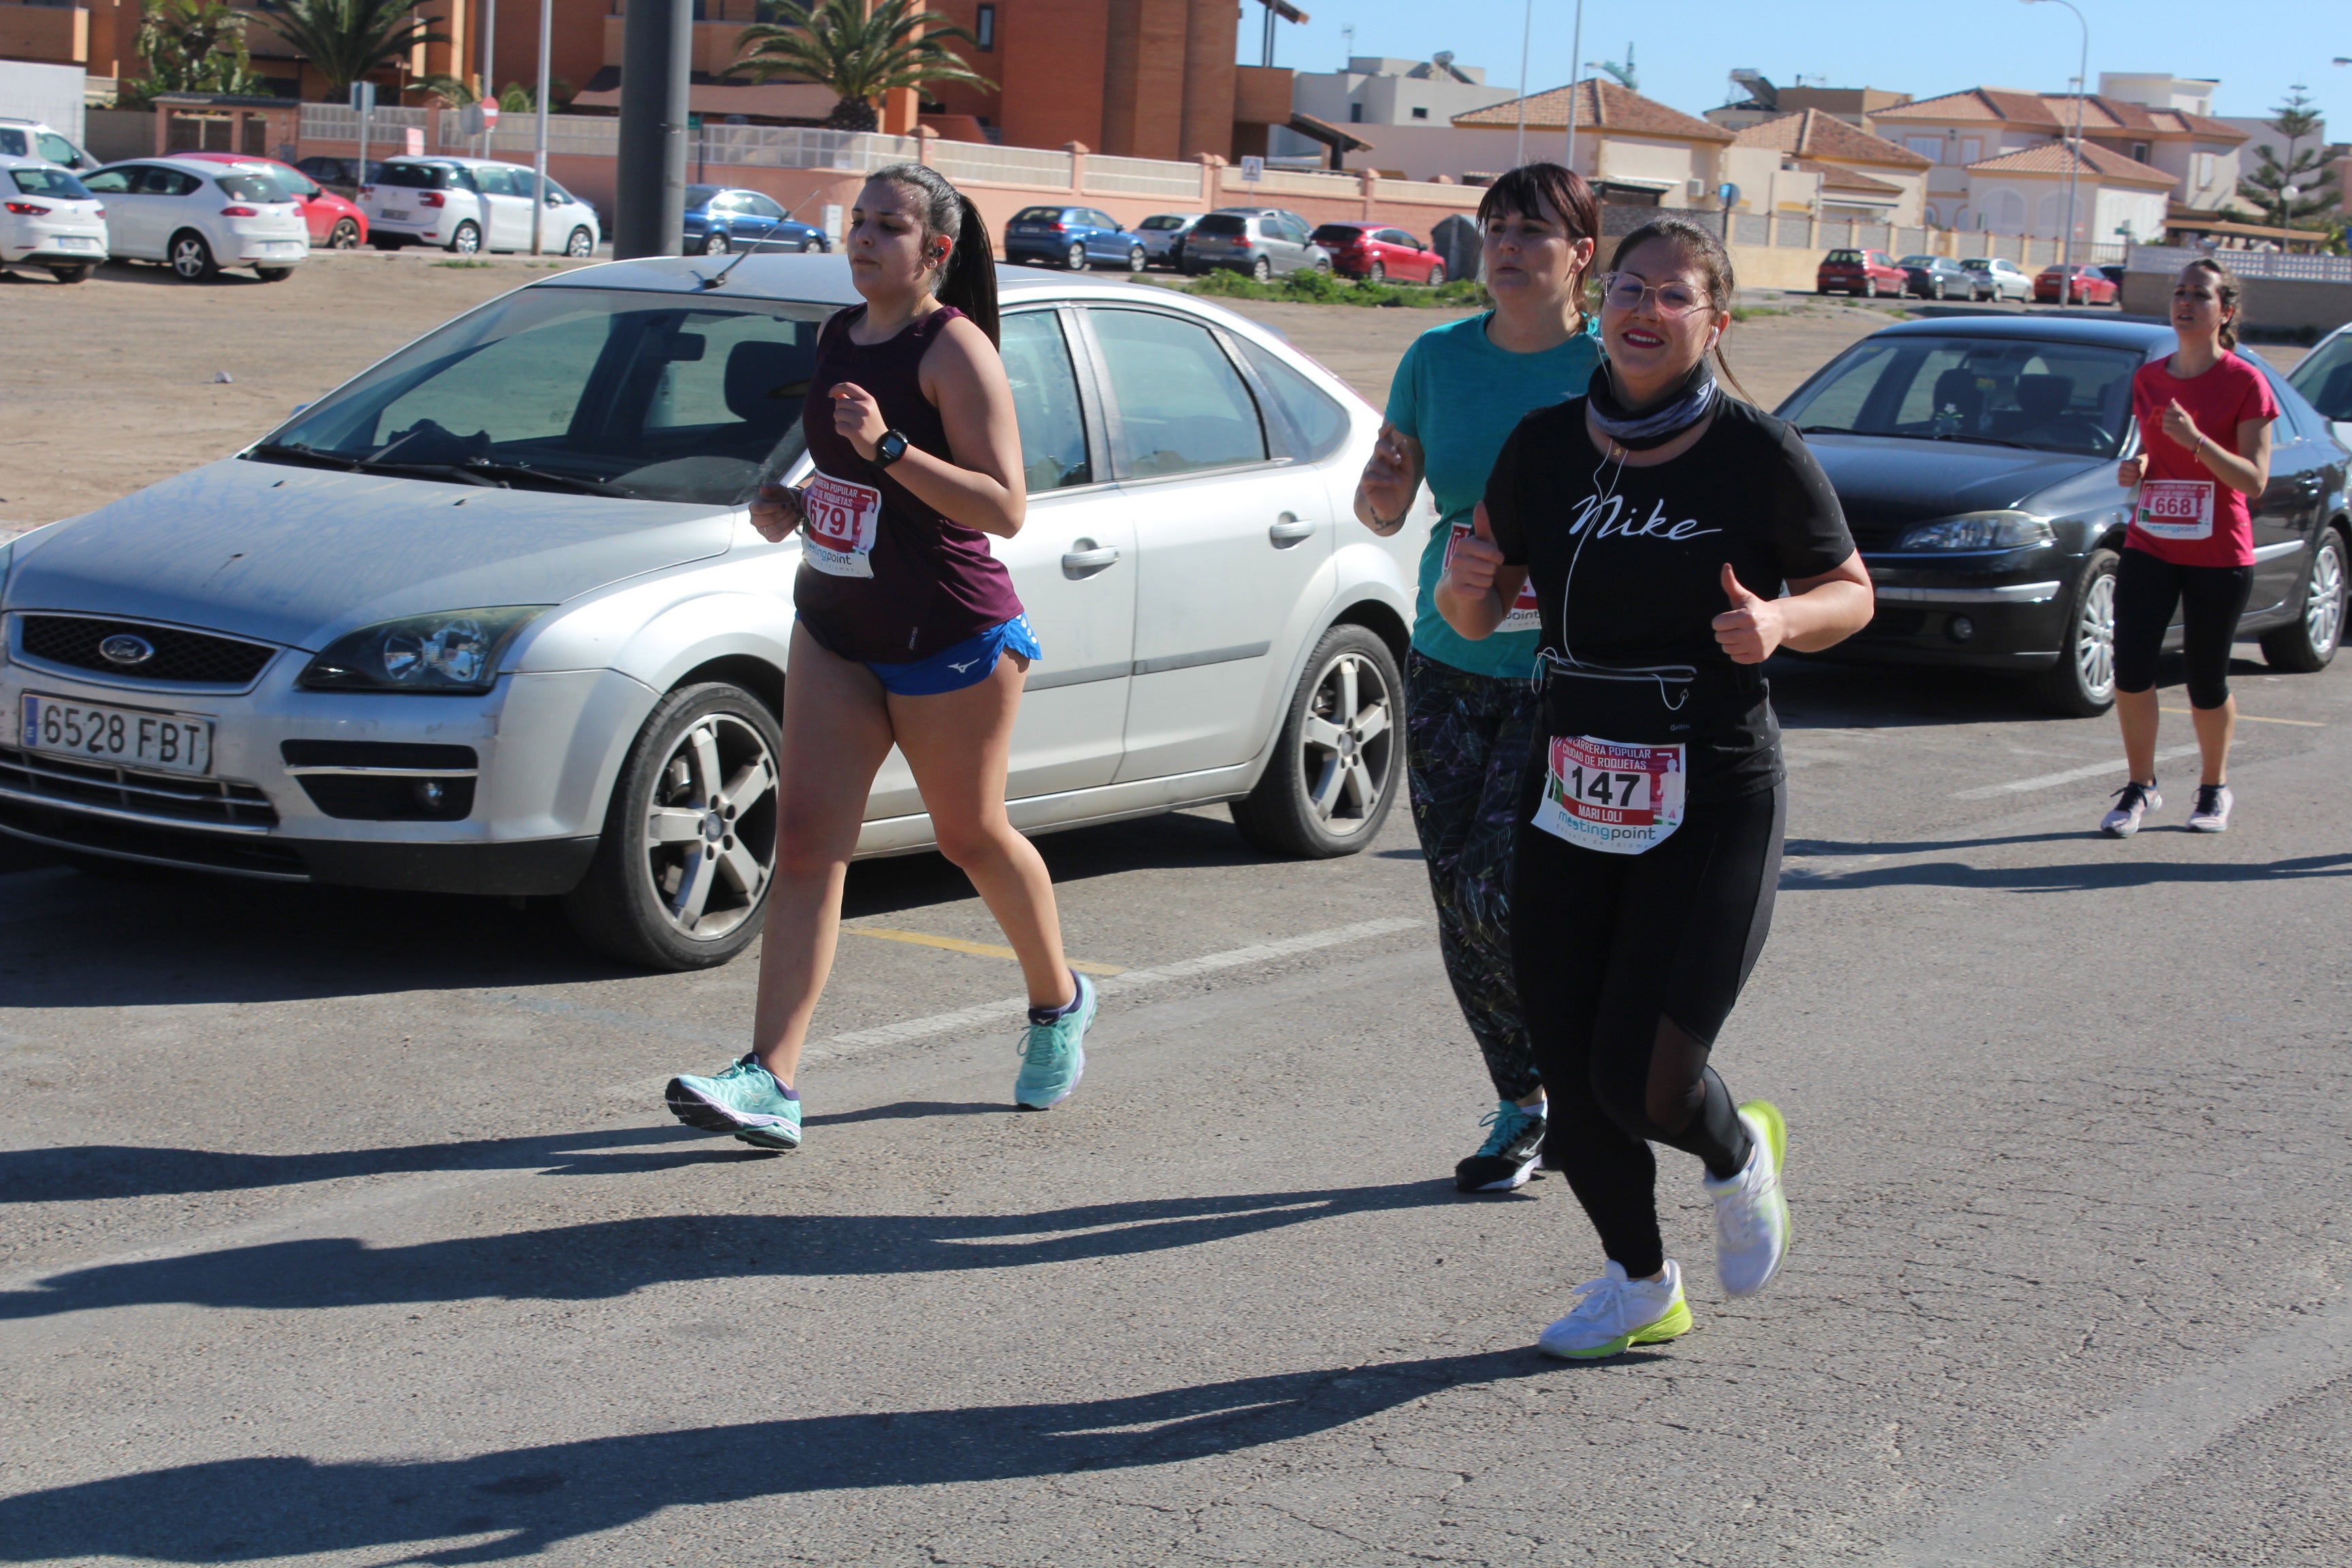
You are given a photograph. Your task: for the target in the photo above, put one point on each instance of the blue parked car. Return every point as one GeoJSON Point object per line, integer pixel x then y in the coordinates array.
{"type": "Point", "coordinates": [1074, 237]}
{"type": "Point", "coordinates": [720, 219]}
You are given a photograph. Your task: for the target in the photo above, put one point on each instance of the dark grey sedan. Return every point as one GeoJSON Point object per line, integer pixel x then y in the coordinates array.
{"type": "Point", "coordinates": [1976, 460]}
{"type": "Point", "coordinates": [1942, 277]}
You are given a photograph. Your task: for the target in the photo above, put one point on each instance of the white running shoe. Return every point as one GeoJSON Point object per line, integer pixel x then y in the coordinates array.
{"type": "Point", "coordinates": [2132, 802]}
{"type": "Point", "coordinates": [2211, 812]}
{"type": "Point", "coordinates": [1618, 1313]}
{"type": "Point", "coordinates": [1751, 1214]}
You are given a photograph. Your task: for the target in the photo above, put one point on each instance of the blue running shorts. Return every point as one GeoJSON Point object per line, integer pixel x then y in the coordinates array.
{"type": "Point", "coordinates": [968, 663]}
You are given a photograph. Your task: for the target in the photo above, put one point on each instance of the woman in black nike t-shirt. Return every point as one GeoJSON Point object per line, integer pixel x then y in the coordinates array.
{"type": "Point", "coordinates": [1657, 519]}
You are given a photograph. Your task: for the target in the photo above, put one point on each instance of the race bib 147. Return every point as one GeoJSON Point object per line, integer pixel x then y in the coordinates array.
{"type": "Point", "coordinates": [1608, 796]}
{"type": "Point", "coordinates": [2177, 509]}
{"type": "Point", "coordinates": [839, 523]}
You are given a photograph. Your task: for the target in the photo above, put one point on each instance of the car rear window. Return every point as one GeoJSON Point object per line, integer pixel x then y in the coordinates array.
{"type": "Point", "coordinates": [49, 182]}
{"type": "Point", "coordinates": [251, 188]}
{"type": "Point", "coordinates": [1158, 221]}
{"type": "Point", "coordinates": [417, 176]}
{"type": "Point", "coordinates": [1038, 214]}
{"type": "Point", "coordinates": [1842, 258]}
{"type": "Point", "coordinates": [1338, 233]}
{"type": "Point", "coordinates": [1224, 225]}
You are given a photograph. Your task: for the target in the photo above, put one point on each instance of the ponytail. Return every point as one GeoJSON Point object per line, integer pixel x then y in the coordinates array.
{"type": "Point", "coordinates": [967, 282]}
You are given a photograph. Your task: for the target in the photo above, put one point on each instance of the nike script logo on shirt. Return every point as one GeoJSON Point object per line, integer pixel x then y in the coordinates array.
{"type": "Point", "coordinates": [1615, 521]}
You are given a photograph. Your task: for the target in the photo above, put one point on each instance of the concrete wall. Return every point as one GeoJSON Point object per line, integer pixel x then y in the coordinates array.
{"type": "Point", "coordinates": [2272, 304]}
{"type": "Point", "coordinates": [48, 93]}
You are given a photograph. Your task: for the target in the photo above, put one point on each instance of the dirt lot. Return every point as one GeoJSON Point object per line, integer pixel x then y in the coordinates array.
{"type": "Point", "coordinates": [116, 383]}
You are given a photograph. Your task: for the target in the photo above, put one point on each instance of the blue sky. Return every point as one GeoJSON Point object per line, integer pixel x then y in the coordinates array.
{"type": "Point", "coordinates": [1686, 50]}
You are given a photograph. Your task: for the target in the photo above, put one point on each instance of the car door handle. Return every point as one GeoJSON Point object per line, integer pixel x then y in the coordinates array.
{"type": "Point", "coordinates": [1084, 558]}
{"type": "Point", "coordinates": [1287, 531]}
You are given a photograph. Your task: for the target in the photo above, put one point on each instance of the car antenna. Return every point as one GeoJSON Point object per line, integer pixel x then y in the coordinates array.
{"type": "Point", "coordinates": [719, 276]}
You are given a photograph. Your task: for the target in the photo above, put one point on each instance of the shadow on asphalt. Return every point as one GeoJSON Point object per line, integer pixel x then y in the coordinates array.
{"type": "Point", "coordinates": [530, 1499]}
{"type": "Point", "coordinates": [71, 939]}
{"type": "Point", "coordinates": [612, 1258]}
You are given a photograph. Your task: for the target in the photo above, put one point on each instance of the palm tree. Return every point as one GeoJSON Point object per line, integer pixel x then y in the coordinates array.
{"type": "Point", "coordinates": [860, 55]}
{"type": "Point", "coordinates": [348, 40]}
{"type": "Point", "coordinates": [192, 46]}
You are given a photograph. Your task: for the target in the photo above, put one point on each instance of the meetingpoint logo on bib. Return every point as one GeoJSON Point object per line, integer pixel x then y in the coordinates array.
{"type": "Point", "coordinates": [841, 521]}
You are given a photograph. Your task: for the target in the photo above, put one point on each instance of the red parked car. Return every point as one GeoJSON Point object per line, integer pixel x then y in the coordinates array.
{"type": "Point", "coordinates": [1372, 252]}
{"type": "Point", "coordinates": [1868, 273]}
{"type": "Point", "coordinates": [334, 223]}
{"type": "Point", "coordinates": [2090, 287]}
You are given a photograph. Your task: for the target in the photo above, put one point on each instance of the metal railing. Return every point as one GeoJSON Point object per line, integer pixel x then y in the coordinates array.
{"type": "Point", "coordinates": [1116, 176]}
{"type": "Point", "coordinates": [337, 122]}
{"type": "Point", "coordinates": [1295, 183]}
{"type": "Point", "coordinates": [2279, 264]}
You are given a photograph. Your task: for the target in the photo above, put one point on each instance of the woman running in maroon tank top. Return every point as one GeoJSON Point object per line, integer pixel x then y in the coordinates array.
{"type": "Point", "coordinates": [909, 634]}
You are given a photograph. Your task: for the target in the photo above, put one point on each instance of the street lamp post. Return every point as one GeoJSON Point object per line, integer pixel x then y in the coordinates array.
{"type": "Point", "coordinates": [1575, 53]}
{"type": "Point", "coordinates": [1526, 37]}
{"type": "Point", "coordinates": [2075, 158]}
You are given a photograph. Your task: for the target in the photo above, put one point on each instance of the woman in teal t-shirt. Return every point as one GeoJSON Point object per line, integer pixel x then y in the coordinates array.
{"type": "Point", "coordinates": [1458, 395]}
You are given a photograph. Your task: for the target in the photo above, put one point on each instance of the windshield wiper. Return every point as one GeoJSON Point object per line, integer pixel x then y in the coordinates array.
{"type": "Point", "coordinates": [1830, 430]}
{"type": "Point", "coordinates": [525, 473]}
{"type": "Point", "coordinates": [278, 452]}
{"type": "Point", "coordinates": [457, 473]}
{"type": "Point", "coordinates": [1983, 440]}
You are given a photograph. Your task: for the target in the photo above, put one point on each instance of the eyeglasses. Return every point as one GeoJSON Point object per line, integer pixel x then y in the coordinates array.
{"type": "Point", "coordinates": [1623, 292]}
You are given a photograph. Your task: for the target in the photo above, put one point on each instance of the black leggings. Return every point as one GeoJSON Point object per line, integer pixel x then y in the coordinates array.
{"type": "Point", "coordinates": [2211, 598]}
{"type": "Point", "coordinates": [1628, 965]}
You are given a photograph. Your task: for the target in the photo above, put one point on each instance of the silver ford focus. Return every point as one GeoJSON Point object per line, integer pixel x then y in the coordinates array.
{"type": "Point", "coordinates": [491, 617]}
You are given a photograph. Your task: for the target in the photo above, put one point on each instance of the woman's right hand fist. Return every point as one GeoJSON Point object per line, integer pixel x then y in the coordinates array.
{"type": "Point", "coordinates": [2129, 472]}
{"type": "Point", "coordinates": [775, 513]}
{"type": "Point", "coordinates": [1472, 568]}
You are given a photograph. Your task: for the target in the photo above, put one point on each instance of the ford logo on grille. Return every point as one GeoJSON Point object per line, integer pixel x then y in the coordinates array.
{"type": "Point", "coordinates": [127, 650]}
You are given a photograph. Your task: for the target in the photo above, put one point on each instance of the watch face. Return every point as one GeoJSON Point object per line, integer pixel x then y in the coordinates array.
{"type": "Point", "coordinates": [891, 447]}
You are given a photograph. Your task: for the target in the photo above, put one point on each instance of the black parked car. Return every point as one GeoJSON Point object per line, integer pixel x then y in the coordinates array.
{"type": "Point", "coordinates": [1976, 460]}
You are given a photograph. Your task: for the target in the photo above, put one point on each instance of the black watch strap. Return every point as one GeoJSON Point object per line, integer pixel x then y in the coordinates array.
{"type": "Point", "coordinates": [889, 449]}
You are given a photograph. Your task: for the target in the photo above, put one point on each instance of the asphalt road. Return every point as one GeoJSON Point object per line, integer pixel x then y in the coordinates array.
{"type": "Point", "coordinates": [350, 1229]}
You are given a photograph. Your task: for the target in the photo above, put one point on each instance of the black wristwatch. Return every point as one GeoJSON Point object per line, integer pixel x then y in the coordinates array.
{"type": "Point", "coordinates": [889, 449]}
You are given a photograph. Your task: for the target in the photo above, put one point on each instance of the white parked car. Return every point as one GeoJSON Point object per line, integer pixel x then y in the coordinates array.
{"type": "Point", "coordinates": [492, 618]}
{"type": "Point", "coordinates": [470, 205]}
{"type": "Point", "coordinates": [198, 217]}
{"type": "Point", "coordinates": [33, 139]}
{"type": "Point", "coordinates": [2008, 283]}
{"type": "Point", "coordinates": [49, 220]}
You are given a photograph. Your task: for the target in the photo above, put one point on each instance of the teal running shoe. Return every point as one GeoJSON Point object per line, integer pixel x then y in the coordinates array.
{"type": "Point", "coordinates": [745, 1100]}
{"type": "Point", "coordinates": [1508, 1160]}
{"type": "Point", "coordinates": [1054, 1055]}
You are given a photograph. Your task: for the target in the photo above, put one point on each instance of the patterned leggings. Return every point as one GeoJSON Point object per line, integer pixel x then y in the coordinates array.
{"type": "Point", "coordinates": [1466, 738]}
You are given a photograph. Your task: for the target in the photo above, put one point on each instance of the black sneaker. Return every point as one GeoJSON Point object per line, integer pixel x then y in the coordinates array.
{"type": "Point", "coordinates": [1507, 1161]}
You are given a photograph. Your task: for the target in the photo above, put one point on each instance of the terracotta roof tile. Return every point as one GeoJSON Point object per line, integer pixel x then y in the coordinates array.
{"type": "Point", "coordinates": [1809, 133]}
{"type": "Point", "coordinates": [1604, 105]}
{"type": "Point", "coordinates": [1990, 103]}
{"type": "Point", "coordinates": [2052, 158]}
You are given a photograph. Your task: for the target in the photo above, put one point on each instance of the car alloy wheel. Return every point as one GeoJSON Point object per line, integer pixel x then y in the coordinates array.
{"type": "Point", "coordinates": [680, 879]}
{"type": "Point", "coordinates": [1261, 270]}
{"type": "Point", "coordinates": [581, 244]}
{"type": "Point", "coordinates": [1437, 276]}
{"type": "Point", "coordinates": [1136, 259]}
{"type": "Point", "coordinates": [466, 239]}
{"type": "Point", "coordinates": [2082, 684]}
{"type": "Point", "coordinates": [1074, 258]}
{"type": "Point", "coordinates": [344, 235]}
{"type": "Point", "coordinates": [714, 244]}
{"type": "Point", "coordinates": [192, 259]}
{"type": "Point", "coordinates": [1338, 756]}
{"type": "Point", "coordinates": [2306, 645]}
{"type": "Point", "coordinates": [1936, 290]}
{"type": "Point", "coordinates": [1377, 272]}
{"type": "Point", "coordinates": [1870, 287]}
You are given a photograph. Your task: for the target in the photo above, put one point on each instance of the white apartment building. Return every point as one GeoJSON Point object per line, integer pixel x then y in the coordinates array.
{"type": "Point", "coordinates": [1405, 108]}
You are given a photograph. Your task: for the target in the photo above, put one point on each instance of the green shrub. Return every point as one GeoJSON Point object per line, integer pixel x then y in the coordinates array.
{"type": "Point", "coordinates": [1327, 289]}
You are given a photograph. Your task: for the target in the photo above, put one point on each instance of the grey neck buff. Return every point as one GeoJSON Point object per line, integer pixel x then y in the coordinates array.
{"type": "Point", "coordinates": [1685, 406]}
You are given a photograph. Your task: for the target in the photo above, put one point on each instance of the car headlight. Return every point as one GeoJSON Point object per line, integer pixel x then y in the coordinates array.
{"type": "Point", "coordinates": [1977, 531]}
{"type": "Point", "coordinates": [452, 653]}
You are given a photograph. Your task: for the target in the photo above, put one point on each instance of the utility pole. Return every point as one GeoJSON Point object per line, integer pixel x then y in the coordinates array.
{"type": "Point", "coordinates": [490, 74]}
{"type": "Point", "coordinates": [539, 151]}
{"type": "Point", "coordinates": [2074, 153]}
{"type": "Point", "coordinates": [1575, 53]}
{"type": "Point", "coordinates": [1527, 39]}
{"type": "Point", "coordinates": [656, 52]}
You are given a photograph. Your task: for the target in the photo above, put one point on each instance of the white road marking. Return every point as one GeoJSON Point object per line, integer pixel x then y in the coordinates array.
{"type": "Point", "coordinates": [2019, 1519]}
{"type": "Point", "coordinates": [2072, 776]}
{"type": "Point", "coordinates": [991, 1015]}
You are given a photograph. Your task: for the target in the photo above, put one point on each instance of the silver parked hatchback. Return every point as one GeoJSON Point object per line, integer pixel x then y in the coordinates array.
{"type": "Point", "coordinates": [491, 617]}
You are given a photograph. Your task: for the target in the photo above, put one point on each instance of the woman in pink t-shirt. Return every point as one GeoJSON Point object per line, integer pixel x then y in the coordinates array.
{"type": "Point", "coordinates": [2205, 451]}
